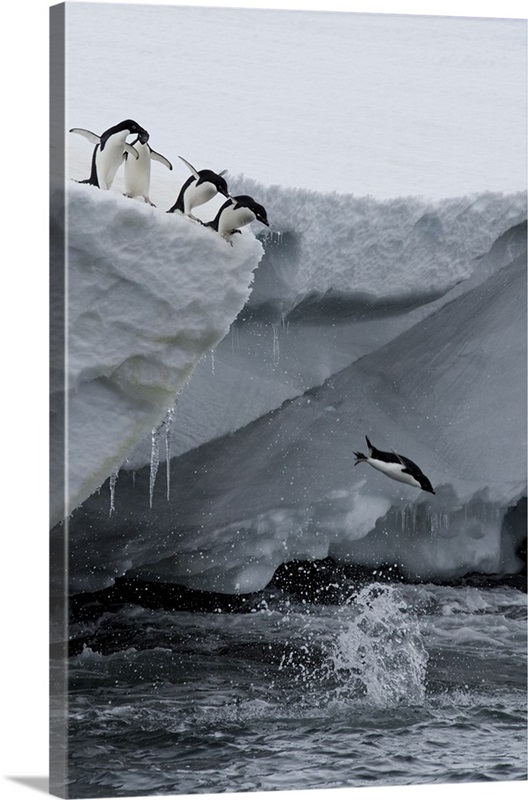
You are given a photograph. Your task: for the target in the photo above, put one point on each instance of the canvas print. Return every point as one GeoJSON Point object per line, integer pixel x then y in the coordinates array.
{"type": "Point", "coordinates": [288, 400]}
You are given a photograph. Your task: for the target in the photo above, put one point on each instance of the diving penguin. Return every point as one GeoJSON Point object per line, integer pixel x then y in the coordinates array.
{"type": "Point", "coordinates": [202, 186]}
{"type": "Point", "coordinates": [137, 170]}
{"type": "Point", "coordinates": [395, 466]}
{"type": "Point", "coordinates": [109, 150]}
{"type": "Point", "coordinates": [237, 212]}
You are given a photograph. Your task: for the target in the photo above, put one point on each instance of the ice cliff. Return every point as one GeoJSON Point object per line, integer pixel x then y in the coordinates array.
{"type": "Point", "coordinates": [405, 320]}
{"type": "Point", "coordinates": [147, 294]}
{"type": "Point", "coordinates": [340, 277]}
{"type": "Point", "coordinates": [449, 392]}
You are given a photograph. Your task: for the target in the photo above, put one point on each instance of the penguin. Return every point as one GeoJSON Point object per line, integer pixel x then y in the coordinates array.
{"type": "Point", "coordinates": [198, 189]}
{"type": "Point", "coordinates": [109, 150]}
{"type": "Point", "coordinates": [395, 466]}
{"type": "Point", "coordinates": [237, 212]}
{"type": "Point", "coordinates": [137, 170]}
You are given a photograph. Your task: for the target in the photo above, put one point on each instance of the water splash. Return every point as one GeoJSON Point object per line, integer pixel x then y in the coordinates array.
{"type": "Point", "coordinates": [380, 654]}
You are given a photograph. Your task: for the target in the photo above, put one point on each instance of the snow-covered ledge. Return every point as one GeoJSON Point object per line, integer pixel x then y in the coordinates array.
{"type": "Point", "coordinates": [147, 294]}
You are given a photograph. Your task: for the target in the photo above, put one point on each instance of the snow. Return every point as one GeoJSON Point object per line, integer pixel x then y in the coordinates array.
{"type": "Point", "coordinates": [147, 295]}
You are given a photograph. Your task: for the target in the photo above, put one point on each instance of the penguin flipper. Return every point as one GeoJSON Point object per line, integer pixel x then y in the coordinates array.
{"type": "Point", "coordinates": [92, 137]}
{"type": "Point", "coordinates": [400, 459]}
{"type": "Point", "coordinates": [194, 172]}
{"type": "Point", "coordinates": [162, 160]}
{"type": "Point", "coordinates": [131, 150]}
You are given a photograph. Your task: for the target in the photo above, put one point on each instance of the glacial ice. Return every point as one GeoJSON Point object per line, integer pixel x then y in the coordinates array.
{"type": "Point", "coordinates": [430, 361]}
{"type": "Point", "coordinates": [147, 294]}
{"type": "Point", "coordinates": [303, 323]}
{"type": "Point", "coordinates": [449, 392]}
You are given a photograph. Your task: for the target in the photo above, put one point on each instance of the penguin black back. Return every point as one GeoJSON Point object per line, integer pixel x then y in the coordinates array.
{"type": "Point", "coordinates": [179, 204]}
{"type": "Point", "coordinates": [93, 179]}
{"type": "Point", "coordinates": [214, 223]}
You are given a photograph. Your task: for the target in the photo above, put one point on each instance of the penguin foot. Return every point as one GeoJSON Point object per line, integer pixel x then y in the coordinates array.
{"type": "Point", "coordinates": [149, 201]}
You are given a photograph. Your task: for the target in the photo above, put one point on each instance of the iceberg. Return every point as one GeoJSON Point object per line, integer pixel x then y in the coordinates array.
{"type": "Point", "coordinates": [449, 392]}
{"type": "Point", "coordinates": [146, 295]}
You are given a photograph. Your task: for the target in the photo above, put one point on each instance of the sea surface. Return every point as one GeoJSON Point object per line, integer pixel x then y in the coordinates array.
{"type": "Point", "coordinates": [399, 684]}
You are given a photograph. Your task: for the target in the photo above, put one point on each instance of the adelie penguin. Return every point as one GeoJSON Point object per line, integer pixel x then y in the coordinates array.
{"type": "Point", "coordinates": [395, 466]}
{"type": "Point", "coordinates": [237, 212]}
{"type": "Point", "coordinates": [109, 150]}
{"type": "Point", "coordinates": [201, 187]}
{"type": "Point", "coordinates": [137, 170]}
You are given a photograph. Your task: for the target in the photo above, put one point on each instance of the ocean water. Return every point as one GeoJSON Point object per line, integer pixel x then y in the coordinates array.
{"type": "Point", "coordinates": [400, 684]}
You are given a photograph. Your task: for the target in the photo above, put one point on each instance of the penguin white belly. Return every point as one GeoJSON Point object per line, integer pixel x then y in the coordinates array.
{"type": "Point", "coordinates": [394, 471]}
{"type": "Point", "coordinates": [231, 219]}
{"type": "Point", "coordinates": [109, 160]}
{"type": "Point", "coordinates": [198, 195]}
{"type": "Point", "coordinates": [137, 172]}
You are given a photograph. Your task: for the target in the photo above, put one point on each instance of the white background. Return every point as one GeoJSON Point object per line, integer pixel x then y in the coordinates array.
{"type": "Point", "coordinates": [24, 370]}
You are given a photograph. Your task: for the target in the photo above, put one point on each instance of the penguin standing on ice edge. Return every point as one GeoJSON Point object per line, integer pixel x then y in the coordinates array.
{"type": "Point", "coordinates": [201, 187]}
{"type": "Point", "coordinates": [109, 150]}
{"type": "Point", "coordinates": [237, 212]}
{"type": "Point", "coordinates": [137, 170]}
{"type": "Point", "coordinates": [399, 468]}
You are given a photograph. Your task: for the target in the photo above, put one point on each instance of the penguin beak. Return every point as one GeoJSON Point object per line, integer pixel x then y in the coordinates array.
{"type": "Point", "coordinates": [143, 137]}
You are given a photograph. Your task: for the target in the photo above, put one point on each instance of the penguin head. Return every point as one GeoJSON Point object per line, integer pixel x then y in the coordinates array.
{"type": "Point", "coordinates": [208, 176]}
{"type": "Point", "coordinates": [425, 484]}
{"type": "Point", "coordinates": [221, 185]}
{"type": "Point", "coordinates": [132, 126]}
{"type": "Point", "coordinates": [260, 213]}
{"type": "Point", "coordinates": [258, 210]}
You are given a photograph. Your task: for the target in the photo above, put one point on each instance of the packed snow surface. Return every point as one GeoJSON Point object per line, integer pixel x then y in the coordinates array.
{"type": "Point", "coordinates": [147, 295]}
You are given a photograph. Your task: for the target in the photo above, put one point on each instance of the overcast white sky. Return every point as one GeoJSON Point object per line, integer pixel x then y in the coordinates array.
{"type": "Point", "coordinates": [378, 104]}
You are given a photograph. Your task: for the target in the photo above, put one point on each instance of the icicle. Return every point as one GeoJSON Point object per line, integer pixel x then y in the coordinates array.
{"type": "Point", "coordinates": [274, 238]}
{"type": "Point", "coordinates": [167, 422]}
{"type": "Point", "coordinates": [154, 461]}
{"type": "Point", "coordinates": [234, 338]}
{"type": "Point", "coordinates": [113, 481]}
{"type": "Point", "coordinates": [212, 362]}
{"type": "Point", "coordinates": [276, 344]}
{"type": "Point", "coordinates": [285, 325]}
